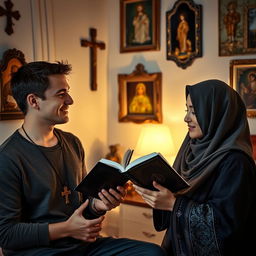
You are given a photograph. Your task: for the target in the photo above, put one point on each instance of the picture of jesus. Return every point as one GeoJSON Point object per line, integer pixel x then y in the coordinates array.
{"type": "Point", "coordinates": [140, 103]}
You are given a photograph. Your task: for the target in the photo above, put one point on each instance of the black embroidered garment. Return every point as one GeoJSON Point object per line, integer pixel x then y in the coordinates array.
{"type": "Point", "coordinates": [216, 215]}
{"type": "Point", "coordinates": [30, 193]}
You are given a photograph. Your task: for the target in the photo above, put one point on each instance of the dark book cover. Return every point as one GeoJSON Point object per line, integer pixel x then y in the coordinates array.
{"type": "Point", "coordinates": [156, 169]}
{"type": "Point", "coordinates": [142, 172]}
{"type": "Point", "coordinates": [102, 176]}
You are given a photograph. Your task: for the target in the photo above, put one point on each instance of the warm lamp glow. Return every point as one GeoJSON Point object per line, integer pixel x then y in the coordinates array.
{"type": "Point", "coordinates": [155, 138]}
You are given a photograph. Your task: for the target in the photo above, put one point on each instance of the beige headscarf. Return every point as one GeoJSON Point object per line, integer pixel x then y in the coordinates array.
{"type": "Point", "coordinates": [221, 115]}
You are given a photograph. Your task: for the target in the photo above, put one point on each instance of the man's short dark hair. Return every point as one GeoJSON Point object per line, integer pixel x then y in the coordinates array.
{"type": "Point", "coordinates": [34, 78]}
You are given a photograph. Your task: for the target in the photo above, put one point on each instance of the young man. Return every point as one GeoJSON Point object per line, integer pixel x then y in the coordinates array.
{"type": "Point", "coordinates": [40, 213]}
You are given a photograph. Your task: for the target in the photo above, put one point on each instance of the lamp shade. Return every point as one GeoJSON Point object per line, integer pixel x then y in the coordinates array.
{"type": "Point", "coordinates": [155, 138]}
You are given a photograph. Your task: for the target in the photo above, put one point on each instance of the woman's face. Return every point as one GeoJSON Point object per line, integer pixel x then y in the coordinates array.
{"type": "Point", "coordinates": [194, 129]}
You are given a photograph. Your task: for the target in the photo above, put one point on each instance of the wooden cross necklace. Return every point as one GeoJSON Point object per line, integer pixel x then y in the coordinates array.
{"type": "Point", "coordinates": [66, 191]}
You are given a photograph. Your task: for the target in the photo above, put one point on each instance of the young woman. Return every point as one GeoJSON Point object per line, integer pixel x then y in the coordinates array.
{"type": "Point", "coordinates": [216, 215]}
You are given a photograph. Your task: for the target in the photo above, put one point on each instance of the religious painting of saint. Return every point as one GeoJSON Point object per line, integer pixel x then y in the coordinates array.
{"type": "Point", "coordinates": [12, 60]}
{"type": "Point", "coordinates": [184, 33]}
{"type": "Point", "coordinates": [243, 80]}
{"type": "Point", "coordinates": [253, 140]}
{"type": "Point", "coordinates": [139, 25]}
{"type": "Point", "coordinates": [250, 20]}
{"type": "Point", "coordinates": [237, 27]}
{"type": "Point", "coordinates": [140, 96]}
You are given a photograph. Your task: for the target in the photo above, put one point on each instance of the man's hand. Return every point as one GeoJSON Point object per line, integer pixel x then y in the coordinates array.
{"type": "Point", "coordinates": [109, 199]}
{"type": "Point", "coordinates": [81, 228]}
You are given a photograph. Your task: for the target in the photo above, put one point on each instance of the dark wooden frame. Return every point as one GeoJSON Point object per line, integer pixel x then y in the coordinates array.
{"type": "Point", "coordinates": [250, 36]}
{"type": "Point", "coordinates": [239, 71]}
{"type": "Point", "coordinates": [127, 12]}
{"type": "Point", "coordinates": [193, 16]}
{"type": "Point", "coordinates": [11, 57]}
{"type": "Point", "coordinates": [127, 84]}
{"type": "Point", "coordinates": [253, 140]}
{"type": "Point", "coordinates": [241, 45]}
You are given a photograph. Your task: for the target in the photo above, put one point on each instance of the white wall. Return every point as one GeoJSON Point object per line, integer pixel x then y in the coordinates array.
{"type": "Point", "coordinates": [174, 78]}
{"type": "Point", "coordinates": [88, 116]}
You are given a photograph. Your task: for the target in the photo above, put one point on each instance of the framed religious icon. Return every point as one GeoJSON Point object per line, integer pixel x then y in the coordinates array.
{"type": "Point", "coordinates": [250, 31]}
{"type": "Point", "coordinates": [243, 80]}
{"type": "Point", "coordinates": [237, 27]}
{"type": "Point", "coordinates": [253, 140]}
{"type": "Point", "coordinates": [139, 25]}
{"type": "Point", "coordinates": [184, 32]}
{"type": "Point", "coordinates": [140, 96]}
{"type": "Point", "coordinates": [12, 60]}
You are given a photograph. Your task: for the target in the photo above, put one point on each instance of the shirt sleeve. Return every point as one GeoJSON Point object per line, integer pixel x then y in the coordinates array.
{"type": "Point", "coordinates": [89, 213]}
{"type": "Point", "coordinates": [14, 232]}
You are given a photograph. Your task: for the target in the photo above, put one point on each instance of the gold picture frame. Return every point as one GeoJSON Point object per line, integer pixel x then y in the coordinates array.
{"type": "Point", "coordinates": [237, 32]}
{"type": "Point", "coordinates": [243, 80]}
{"type": "Point", "coordinates": [12, 60]}
{"type": "Point", "coordinates": [139, 25]}
{"type": "Point", "coordinates": [184, 32]}
{"type": "Point", "coordinates": [140, 96]}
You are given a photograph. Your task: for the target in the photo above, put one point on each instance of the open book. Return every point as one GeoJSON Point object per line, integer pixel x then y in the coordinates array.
{"type": "Point", "coordinates": [142, 172]}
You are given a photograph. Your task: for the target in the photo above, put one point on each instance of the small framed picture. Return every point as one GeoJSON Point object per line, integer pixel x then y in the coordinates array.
{"type": "Point", "coordinates": [184, 33]}
{"type": "Point", "coordinates": [140, 96]}
{"type": "Point", "coordinates": [250, 31]}
{"type": "Point", "coordinates": [12, 60]}
{"type": "Point", "coordinates": [243, 80]}
{"type": "Point", "coordinates": [237, 27]}
{"type": "Point", "coordinates": [253, 140]}
{"type": "Point", "coordinates": [139, 25]}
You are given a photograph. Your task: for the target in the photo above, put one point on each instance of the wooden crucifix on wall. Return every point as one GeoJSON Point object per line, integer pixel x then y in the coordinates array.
{"type": "Point", "coordinates": [93, 44]}
{"type": "Point", "coordinates": [9, 15]}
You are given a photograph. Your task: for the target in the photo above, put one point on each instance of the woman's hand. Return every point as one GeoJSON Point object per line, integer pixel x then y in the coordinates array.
{"type": "Point", "coordinates": [163, 199]}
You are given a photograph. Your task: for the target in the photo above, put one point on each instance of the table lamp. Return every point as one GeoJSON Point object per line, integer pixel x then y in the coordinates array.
{"type": "Point", "coordinates": [155, 138]}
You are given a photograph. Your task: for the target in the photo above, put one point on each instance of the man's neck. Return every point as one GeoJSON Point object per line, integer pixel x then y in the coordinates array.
{"type": "Point", "coordinates": [42, 135]}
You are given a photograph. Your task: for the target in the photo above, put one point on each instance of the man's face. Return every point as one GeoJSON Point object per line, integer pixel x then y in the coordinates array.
{"type": "Point", "coordinates": [54, 108]}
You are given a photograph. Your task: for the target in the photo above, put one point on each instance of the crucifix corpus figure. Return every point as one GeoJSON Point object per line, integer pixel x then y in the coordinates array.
{"type": "Point", "coordinates": [9, 15]}
{"type": "Point", "coordinates": [93, 44]}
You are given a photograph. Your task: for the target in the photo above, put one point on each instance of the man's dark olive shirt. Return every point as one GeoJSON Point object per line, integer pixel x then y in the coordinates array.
{"type": "Point", "coordinates": [30, 193]}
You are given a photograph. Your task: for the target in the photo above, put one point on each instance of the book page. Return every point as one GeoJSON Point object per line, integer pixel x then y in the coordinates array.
{"type": "Point", "coordinates": [112, 164]}
{"type": "Point", "coordinates": [127, 157]}
{"type": "Point", "coordinates": [141, 159]}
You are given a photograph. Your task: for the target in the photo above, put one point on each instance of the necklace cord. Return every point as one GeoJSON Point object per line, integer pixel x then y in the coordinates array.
{"type": "Point", "coordinates": [51, 164]}
{"type": "Point", "coordinates": [23, 129]}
